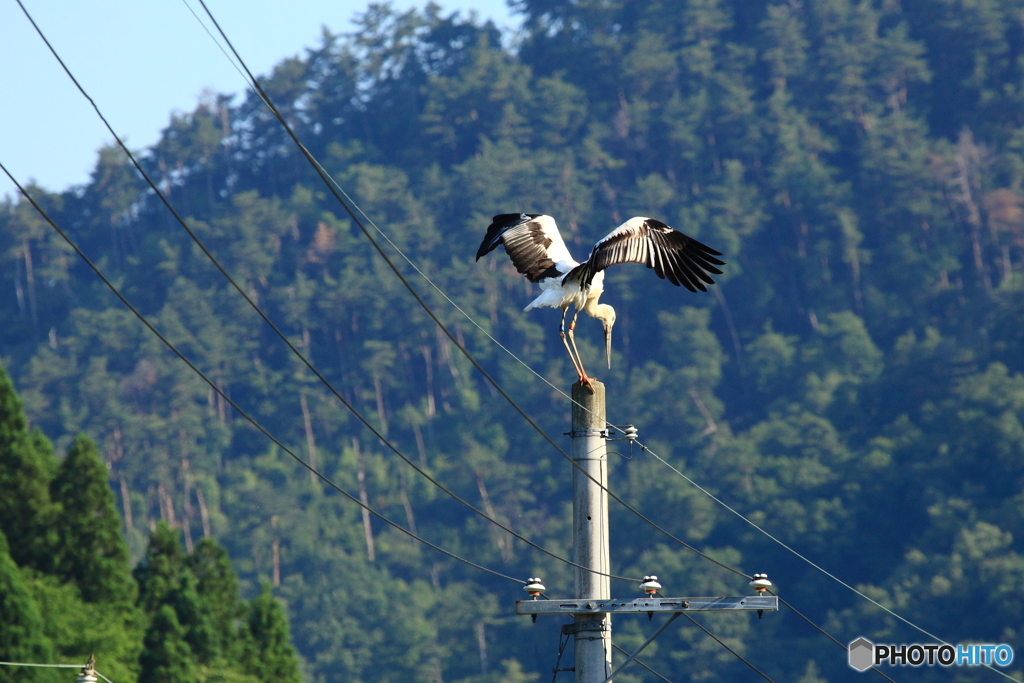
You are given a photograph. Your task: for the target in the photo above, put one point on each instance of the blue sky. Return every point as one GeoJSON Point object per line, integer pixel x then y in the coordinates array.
{"type": "Point", "coordinates": [140, 61]}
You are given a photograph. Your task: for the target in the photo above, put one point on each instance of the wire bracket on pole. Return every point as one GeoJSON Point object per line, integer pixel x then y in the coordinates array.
{"type": "Point", "coordinates": [578, 433]}
{"type": "Point", "coordinates": [581, 626]}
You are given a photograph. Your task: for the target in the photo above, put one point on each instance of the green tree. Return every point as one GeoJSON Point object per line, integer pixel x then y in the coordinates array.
{"type": "Point", "coordinates": [217, 588]}
{"type": "Point", "coordinates": [21, 628]}
{"type": "Point", "coordinates": [91, 551]}
{"type": "Point", "coordinates": [160, 570]}
{"type": "Point", "coordinates": [26, 467]}
{"type": "Point", "coordinates": [166, 657]}
{"type": "Point", "coordinates": [193, 617]}
{"type": "Point", "coordinates": [273, 659]}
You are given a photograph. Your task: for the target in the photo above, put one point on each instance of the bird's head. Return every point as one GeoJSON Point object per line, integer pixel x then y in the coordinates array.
{"type": "Point", "coordinates": [606, 314]}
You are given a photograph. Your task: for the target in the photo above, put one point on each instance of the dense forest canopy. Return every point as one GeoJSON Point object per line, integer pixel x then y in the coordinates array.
{"type": "Point", "coordinates": [853, 384]}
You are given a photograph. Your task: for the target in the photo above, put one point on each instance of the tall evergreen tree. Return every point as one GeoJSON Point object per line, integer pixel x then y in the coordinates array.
{"type": "Point", "coordinates": [160, 570]}
{"type": "Point", "coordinates": [26, 467]}
{"type": "Point", "coordinates": [217, 587]}
{"type": "Point", "coordinates": [90, 548]}
{"type": "Point", "coordinates": [21, 627]}
{"type": "Point", "coordinates": [193, 617]}
{"type": "Point", "coordinates": [166, 657]}
{"type": "Point", "coordinates": [274, 659]}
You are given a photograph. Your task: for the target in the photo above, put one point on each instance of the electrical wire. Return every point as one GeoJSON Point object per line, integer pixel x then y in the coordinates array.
{"type": "Point", "coordinates": [332, 184]}
{"type": "Point", "coordinates": [230, 402]}
{"type": "Point", "coordinates": [336, 189]}
{"type": "Point", "coordinates": [830, 637]}
{"type": "Point", "coordinates": [736, 654]}
{"type": "Point", "coordinates": [351, 408]}
{"type": "Point", "coordinates": [490, 337]}
{"type": "Point", "coordinates": [641, 664]}
{"type": "Point", "coordinates": [808, 561]}
{"type": "Point", "coordinates": [337, 192]}
{"type": "Point", "coordinates": [56, 666]}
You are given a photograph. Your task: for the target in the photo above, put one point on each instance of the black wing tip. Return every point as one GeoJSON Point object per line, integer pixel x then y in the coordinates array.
{"type": "Point", "coordinates": [499, 225]}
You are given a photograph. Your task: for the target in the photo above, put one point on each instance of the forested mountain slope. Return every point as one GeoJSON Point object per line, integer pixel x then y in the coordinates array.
{"type": "Point", "coordinates": [853, 385]}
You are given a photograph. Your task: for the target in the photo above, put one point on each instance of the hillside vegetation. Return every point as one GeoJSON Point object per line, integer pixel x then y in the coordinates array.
{"type": "Point", "coordinates": [853, 384]}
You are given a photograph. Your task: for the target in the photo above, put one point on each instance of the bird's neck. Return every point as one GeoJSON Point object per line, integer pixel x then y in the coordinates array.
{"type": "Point", "coordinates": [594, 309]}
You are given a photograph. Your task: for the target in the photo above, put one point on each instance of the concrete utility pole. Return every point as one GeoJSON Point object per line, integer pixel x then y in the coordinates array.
{"type": "Point", "coordinates": [593, 632]}
{"type": "Point", "coordinates": [593, 605]}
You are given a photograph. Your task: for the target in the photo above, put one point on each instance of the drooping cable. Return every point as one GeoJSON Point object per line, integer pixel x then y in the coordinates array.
{"type": "Point", "coordinates": [348, 405]}
{"type": "Point", "coordinates": [334, 189]}
{"type": "Point", "coordinates": [641, 664]}
{"type": "Point", "coordinates": [808, 561]}
{"type": "Point", "coordinates": [833, 639]}
{"type": "Point", "coordinates": [213, 386]}
{"type": "Point", "coordinates": [736, 654]}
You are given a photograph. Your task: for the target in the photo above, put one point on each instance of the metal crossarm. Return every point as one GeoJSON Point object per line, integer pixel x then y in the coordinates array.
{"type": "Point", "coordinates": [746, 604]}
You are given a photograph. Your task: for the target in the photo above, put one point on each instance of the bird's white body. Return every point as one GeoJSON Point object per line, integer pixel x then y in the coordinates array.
{"type": "Point", "coordinates": [556, 293]}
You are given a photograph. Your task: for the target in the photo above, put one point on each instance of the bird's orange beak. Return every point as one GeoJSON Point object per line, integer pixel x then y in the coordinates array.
{"type": "Point", "coordinates": [608, 344]}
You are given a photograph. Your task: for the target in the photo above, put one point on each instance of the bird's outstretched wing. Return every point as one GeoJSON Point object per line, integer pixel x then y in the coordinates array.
{"type": "Point", "coordinates": [681, 259]}
{"type": "Point", "coordinates": [533, 243]}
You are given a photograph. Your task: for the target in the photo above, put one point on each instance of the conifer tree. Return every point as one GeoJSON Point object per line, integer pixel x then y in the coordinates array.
{"type": "Point", "coordinates": [26, 467]}
{"type": "Point", "coordinates": [90, 548]}
{"type": "Point", "coordinates": [166, 657]}
{"type": "Point", "coordinates": [217, 586]}
{"type": "Point", "coordinates": [21, 627]}
{"type": "Point", "coordinates": [273, 659]}
{"type": "Point", "coordinates": [160, 570]}
{"type": "Point", "coordinates": [194, 618]}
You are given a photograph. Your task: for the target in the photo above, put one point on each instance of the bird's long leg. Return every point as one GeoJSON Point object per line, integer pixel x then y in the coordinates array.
{"type": "Point", "coordinates": [579, 362]}
{"type": "Point", "coordinates": [575, 361]}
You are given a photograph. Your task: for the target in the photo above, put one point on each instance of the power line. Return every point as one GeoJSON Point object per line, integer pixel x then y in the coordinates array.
{"type": "Point", "coordinates": [808, 561]}
{"type": "Point", "coordinates": [54, 666]}
{"type": "Point", "coordinates": [234, 405]}
{"type": "Point", "coordinates": [280, 334]}
{"type": "Point", "coordinates": [334, 189]}
{"type": "Point", "coordinates": [213, 386]}
{"type": "Point", "coordinates": [641, 664]}
{"type": "Point", "coordinates": [736, 654]}
{"type": "Point", "coordinates": [829, 635]}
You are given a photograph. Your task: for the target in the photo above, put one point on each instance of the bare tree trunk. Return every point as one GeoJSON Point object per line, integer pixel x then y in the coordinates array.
{"type": "Point", "coordinates": [428, 362]}
{"type": "Point", "coordinates": [481, 641]}
{"type": "Point", "coordinates": [203, 513]}
{"type": "Point", "coordinates": [276, 550]}
{"type": "Point", "coordinates": [30, 276]}
{"type": "Point", "coordinates": [166, 506]}
{"type": "Point", "coordinates": [973, 217]}
{"type": "Point", "coordinates": [126, 505]}
{"type": "Point", "coordinates": [222, 406]}
{"type": "Point", "coordinates": [420, 446]}
{"type": "Point", "coordinates": [406, 504]}
{"type": "Point", "coordinates": [501, 538]}
{"type": "Point", "coordinates": [185, 518]}
{"type": "Point", "coordinates": [711, 427]}
{"type": "Point", "coordinates": [365, 500]}
{"type": "Point", "coordinates": [720, 295]}
{"type": "Point", "coordinates": [310, 442]}
{"type": "Point", "coordinates": [379, 391]}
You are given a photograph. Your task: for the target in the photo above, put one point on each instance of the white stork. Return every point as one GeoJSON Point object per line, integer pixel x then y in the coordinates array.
{"type": "Point", "coordinates": [537, 250]}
